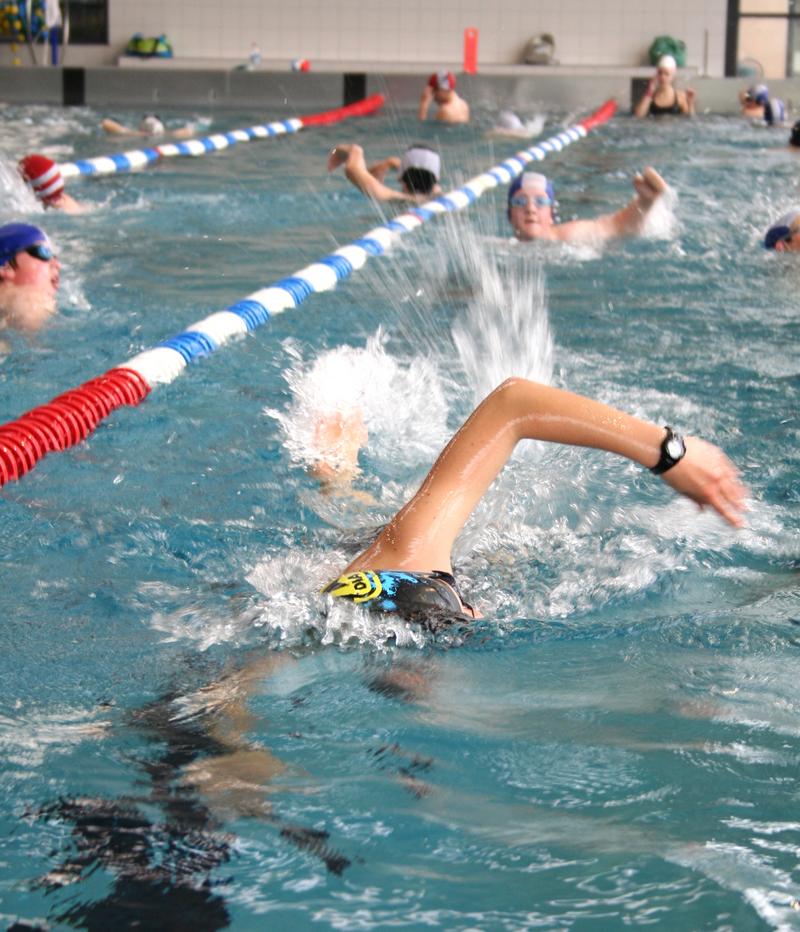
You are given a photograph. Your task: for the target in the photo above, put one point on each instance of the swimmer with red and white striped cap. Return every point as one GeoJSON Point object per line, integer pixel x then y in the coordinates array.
{"type": "Point", "coordinates": [44, 179]}
{"type": "Point", "coordinates": [441, 90]}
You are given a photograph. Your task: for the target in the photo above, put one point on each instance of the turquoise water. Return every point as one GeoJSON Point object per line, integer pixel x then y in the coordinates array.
{"type": "Point", "coordinates": [187, 741]}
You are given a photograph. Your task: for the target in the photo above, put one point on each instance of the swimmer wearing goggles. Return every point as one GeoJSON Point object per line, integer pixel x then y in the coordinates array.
{"type": "Point", "coordinates": [29, 277]}
{"type": "Point", "coordinates": [532, 211]}
{"type": "Point", "coordinates": [407, 569]}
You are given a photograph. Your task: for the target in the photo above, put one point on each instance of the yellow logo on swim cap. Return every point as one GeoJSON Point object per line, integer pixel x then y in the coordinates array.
{"type": "Point", "coordinates": [359, 587]}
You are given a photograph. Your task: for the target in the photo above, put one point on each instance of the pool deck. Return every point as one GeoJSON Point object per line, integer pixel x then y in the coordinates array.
{"type": "Point", "coordinates": [135, 83]}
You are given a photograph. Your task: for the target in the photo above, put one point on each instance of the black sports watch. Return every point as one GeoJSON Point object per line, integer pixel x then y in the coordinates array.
{"type": "Point", "coordinates": [673, 449]}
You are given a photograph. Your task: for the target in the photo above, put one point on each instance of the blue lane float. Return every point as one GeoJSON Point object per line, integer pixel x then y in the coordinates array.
{"type": "Point", "coordinates": [144, 158]}
{"type": "Point", "coordinates": [69, 418]}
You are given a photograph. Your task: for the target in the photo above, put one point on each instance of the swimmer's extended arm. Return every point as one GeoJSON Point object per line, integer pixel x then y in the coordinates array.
{"type": "Point", "coordinates": [355, 168]}
{"type": "Point", "coordinates": [686, 101]}
{"type": "Point", "coordinates": [117, 129]}
{"type": "Point", "coordinates": [421, 535]}
{"type": "Point", "coordinates": [649, 187]}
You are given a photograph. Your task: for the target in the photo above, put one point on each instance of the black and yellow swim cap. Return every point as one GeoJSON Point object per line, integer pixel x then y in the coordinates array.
{"type": "Point", "coordinates": [412, 595]}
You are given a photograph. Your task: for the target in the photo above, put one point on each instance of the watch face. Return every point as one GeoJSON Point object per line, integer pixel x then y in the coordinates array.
{"type": "Point", "coordinates": [675, 448]}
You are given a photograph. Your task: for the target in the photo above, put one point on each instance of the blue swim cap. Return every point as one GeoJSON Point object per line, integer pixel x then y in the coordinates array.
{"type": "Point", "coordinates": [781, 229]}
{"type": "Point", "coordinates": [537, 179]}
{"type": "Point", "coordinates": [758, 93]}
{"type": "Point", "coordinates": [528, 178]}
{"type": "Point", "coordinates": [14, 237]}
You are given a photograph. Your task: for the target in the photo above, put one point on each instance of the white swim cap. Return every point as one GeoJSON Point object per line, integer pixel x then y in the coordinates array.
{"type": "Point", "coordinates": [420, 156]}
{"type": "Point", "coordinates": [668, 62]}
{"type": "Point", "coordinates": [152, 125]}
{"type": "Point", "coordinates": [509, 120]}
{"type": "Point", "coordinates": [531, 181]}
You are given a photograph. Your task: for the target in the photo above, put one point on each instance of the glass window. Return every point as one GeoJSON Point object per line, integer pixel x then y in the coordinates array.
{"type": "Point", "coordinates": [88, 21]}
{"type": "Point", "coordinates": [765, 6]}
{"type": "Point", "coordinates": [762, 46]}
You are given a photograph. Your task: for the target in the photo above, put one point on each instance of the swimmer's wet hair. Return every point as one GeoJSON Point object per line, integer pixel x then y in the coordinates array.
{"type": "Point", "coordinates": [418, 180]}
{"type": "Point", "coordinates": [420, 168]}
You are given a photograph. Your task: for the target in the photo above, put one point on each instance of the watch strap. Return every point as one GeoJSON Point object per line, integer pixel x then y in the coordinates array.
{"type": "Point", "coordinates": [667, 459]}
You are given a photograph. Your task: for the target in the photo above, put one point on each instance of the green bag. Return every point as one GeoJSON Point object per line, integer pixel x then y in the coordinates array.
{"type": "Point", "coordinates": [158, 47]}
{"type": "Point", "coordinates": [666, 45]}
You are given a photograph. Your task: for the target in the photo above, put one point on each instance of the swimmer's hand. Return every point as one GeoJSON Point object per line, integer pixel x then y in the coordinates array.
{"type": "Point", "coordinates": [340, 154]}
{"type": "Point", "coordinates": [709, 478]}
{"type": "Point", "coordinates": [649, 186]}
{"type": "Point", "coordinates": [651, 88]}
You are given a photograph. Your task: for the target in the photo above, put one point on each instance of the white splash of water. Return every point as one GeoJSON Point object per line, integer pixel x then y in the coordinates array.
{"type": "Point", "coordinates": [661, 221]}
{"type": "Point", "coordinates": [363, 383]}
{"type": "Point", "coordinates": [505, 331]}
{"type": "Point", "coordinates": [17, 197]}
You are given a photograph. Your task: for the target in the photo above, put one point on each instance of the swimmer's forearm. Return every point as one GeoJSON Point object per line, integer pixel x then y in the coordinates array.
{"type": "Point", "coordinates": [379, 169]}
{"type": "Point", "coordinates": [541, 412]}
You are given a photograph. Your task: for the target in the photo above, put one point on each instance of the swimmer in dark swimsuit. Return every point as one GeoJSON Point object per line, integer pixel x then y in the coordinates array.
{"type": "Point", "coordinates": [662, 97]}
{"type": "Point", "coordinates": [408, 567]}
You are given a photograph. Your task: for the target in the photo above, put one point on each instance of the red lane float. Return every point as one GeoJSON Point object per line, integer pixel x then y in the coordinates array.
{"type": "Point", "coordinates": [66, 420]}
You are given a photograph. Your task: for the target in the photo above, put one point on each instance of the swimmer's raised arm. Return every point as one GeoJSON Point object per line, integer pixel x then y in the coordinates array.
{"type": "Point", "coordinates": [642, 108]}
{"type": "Point", "coordinates": [351, 156]}
{"type": "Point", "coordinates": [379, 169]}
{"type": "Point", "coordinates": [628, 221]}
{"type": "Point", "coordinates": [421, 535]}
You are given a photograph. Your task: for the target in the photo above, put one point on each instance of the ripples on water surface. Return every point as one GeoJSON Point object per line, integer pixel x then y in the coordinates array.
{"type": "Point", "coordinates": [184, 734]}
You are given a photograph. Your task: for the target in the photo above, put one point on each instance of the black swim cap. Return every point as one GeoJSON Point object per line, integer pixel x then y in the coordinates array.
{"type": "Point", "coordinates": [416, 597]}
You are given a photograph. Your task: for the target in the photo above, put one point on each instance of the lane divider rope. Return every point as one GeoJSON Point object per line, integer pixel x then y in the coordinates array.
{"type": "Point", "coordinates": [144, 158]}
{"type": "Point", "coordinates": [72, 416]}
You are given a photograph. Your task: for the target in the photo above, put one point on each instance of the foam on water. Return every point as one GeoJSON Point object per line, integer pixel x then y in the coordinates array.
{"type": "Point", "coordinates": [614, 744]}
{"type": "Point", "coordinates": [401, 403]}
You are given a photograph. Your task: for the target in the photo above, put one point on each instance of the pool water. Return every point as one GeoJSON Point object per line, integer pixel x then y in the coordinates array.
{"type": "Point", "coordinates": [187, 741]}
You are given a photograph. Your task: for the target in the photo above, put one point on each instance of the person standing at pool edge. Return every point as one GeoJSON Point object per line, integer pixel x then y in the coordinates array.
{"type": "Point", "coordinates": [29, 277]}
{"type": "Point", "coordinates": [531, 211]}
{"type": "Point", "coordinates": [441, 90]}
{"type": "Point", "coordinates": [408, 567]}
{"type": "Point", "coordinates": [661, 96]}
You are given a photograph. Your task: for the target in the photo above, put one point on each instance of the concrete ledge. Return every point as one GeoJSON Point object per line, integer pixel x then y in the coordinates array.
{"type": "Point", "coordinates": [118, 86]}
{"type": "Point", "coordinates": [523, 90]}
{"type": "Point", "coordinates": [519, 87]}
{"type": "Point", "coordinates": [31, 85]}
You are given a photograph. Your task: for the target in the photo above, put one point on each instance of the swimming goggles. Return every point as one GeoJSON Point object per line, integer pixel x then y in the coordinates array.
{"type": "Point", "coordinates": [40, 251]}
{"type": "Point", "coordinates": [539, 200]}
